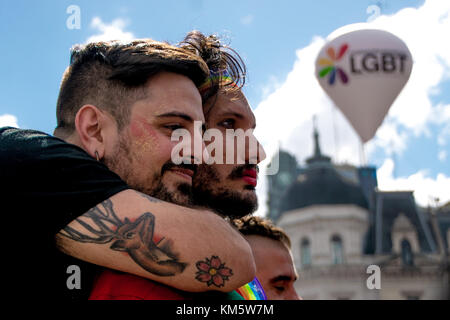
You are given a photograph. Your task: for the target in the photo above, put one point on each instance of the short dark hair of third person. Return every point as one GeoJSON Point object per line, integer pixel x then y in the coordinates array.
{"type": "Point", "coordinates": [254, 225]}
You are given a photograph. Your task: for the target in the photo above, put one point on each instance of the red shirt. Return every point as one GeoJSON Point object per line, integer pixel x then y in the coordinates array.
{"type": "Point", "coordinates": [116, 285]}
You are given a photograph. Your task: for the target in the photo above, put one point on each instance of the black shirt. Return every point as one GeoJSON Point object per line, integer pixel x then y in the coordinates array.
{"type": "Point", "coordinates": [45, 183]}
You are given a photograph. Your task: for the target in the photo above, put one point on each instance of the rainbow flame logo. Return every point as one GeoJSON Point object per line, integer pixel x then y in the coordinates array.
{"type": "Point", "coordinates": [329, 65]}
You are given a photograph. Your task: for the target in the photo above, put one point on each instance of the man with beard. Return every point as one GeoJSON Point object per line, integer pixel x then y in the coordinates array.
{"type": "Point", "coordinates": [117, 108]}
{"type": "Point", "coordinates": [229, 189]}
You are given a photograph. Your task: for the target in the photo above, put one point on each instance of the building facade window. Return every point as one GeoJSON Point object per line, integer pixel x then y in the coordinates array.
{"type": "Point", "coordinates": [337, 252]}
{"type": "Point", "coordinates": [407, 256]}
{"type": "Point", "coordinates": [305, 253]}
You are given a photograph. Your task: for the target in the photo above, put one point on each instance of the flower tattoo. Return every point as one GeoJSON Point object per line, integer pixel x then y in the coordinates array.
{"type": "Point", "coordinates": [213, 271]}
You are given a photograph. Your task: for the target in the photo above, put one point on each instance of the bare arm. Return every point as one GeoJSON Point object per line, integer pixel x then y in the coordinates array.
{"type": "Point", "coordinates": [192, 250]}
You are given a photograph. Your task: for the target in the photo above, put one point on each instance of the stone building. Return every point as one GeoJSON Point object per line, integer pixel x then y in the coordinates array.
{"type": "Point", "coordinates": [340, 223]}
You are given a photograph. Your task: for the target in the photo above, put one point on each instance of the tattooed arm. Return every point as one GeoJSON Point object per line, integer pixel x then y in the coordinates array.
{"type": "Point", "coordinates": [191, 250]}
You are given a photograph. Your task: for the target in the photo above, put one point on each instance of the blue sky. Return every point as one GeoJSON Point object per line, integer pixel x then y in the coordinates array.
{"type": "Point", "coordinates": [278, 41]}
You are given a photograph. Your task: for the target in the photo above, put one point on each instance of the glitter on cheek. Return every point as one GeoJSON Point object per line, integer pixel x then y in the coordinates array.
{"type": "Point", "coordinates": [144, 137]}
{"type": "Point", "coordinates": [136, 129]}
{"type": "Point", "coordinates": [141, 129]}
{"type": "Point", "coordinates": [148, 142]}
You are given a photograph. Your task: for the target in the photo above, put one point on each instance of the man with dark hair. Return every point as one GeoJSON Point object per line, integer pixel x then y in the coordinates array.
{"type": "Point", "coordinates": [117, 109]}
{"type": "Point", "coordinates": [271, 248]}
{"type": "Point", "coordinates": [229, 189]}
{"type": "Point", "coordinates": [113, 77]}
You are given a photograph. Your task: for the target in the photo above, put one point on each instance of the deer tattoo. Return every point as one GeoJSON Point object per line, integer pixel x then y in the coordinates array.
{"type": "Point", "coordinates": [135, 238]}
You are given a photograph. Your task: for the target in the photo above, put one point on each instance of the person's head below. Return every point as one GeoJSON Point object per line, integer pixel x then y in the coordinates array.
{"type": "Point", "coordinates": [227, 187]}
{"type": "Point", "coordinates": [121, 103]}
{"type": "Point", "coordinates": [271, 248]}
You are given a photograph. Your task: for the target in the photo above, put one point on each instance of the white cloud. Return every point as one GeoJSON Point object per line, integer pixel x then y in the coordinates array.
{"type": "Point", "coordinates": [431, 54]}
{"type": "Point", "coordinates": [441, 116]}
{"type": "Point", "coordinates": [272, 84]}
{"type": "Point", "coordinates": [390, 139]}
{"type": "Point", "coordinates": [247, 20]}
{"type": "Point", "coordinates": [112, 31]}
{"type": "Point", "coordinates": [285, 115]}
{"type": "Point", "coordinates": [444, 135]}
{"type": "Point", "coordinates": [8, 120]}
{"type": "Point", "coordinates": [425, 188]}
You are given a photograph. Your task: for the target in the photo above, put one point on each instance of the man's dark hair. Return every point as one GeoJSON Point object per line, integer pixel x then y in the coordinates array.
{"type": "Point", "coordinates": [219, 58]}
{"type": "Point", "coordinates": [254, 225]}
{"type": "Point", "coordinates": [111, 75]}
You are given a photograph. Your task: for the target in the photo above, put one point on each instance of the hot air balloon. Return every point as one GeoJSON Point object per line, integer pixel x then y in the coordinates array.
{"type": "Point", "coordinates": [363, 72]}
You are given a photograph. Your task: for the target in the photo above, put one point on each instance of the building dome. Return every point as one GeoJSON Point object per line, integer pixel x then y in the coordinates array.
{"type": "Point", "coordinates": [322, 184]}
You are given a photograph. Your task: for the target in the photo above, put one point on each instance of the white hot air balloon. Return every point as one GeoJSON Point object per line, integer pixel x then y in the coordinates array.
{"type": "Point", "coordinates": [363, 72]}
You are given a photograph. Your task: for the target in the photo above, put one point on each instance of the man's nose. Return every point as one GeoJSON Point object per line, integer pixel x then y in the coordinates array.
{"type": "Point", "coordinates": [199, 152]}
{"type": "Point", "coordinates": [191, 148]}
{"type": "Point", "coordinates": [292, 295]}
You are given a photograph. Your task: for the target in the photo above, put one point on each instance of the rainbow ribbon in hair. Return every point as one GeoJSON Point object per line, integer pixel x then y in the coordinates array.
{"type": "Point", "coordinates": [219, 76]}
{"type": "Point", "coordinates": [252, 291]}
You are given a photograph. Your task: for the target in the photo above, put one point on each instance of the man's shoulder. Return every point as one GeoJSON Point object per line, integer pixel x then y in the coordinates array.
{"type": "Point", "coordinates": [11, 134]}
{"type": "Point", "coordinates": [18, 143]}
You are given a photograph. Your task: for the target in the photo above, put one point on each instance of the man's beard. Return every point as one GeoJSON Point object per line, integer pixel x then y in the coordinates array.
{"type": "Point", "coordinates": [207, 192]}
{"type": "Point", "coordinates": [123, 164]}
{"type": "Point", "coordinates": [183, 194]}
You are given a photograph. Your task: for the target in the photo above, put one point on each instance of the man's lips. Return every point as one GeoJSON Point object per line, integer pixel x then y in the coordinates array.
{"type": "Point", "coordinates": [187, 173]}
{"type": "Point", "coordinates": [250, 172]}
{"type": "Point", "coordinates": [250, 176]}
